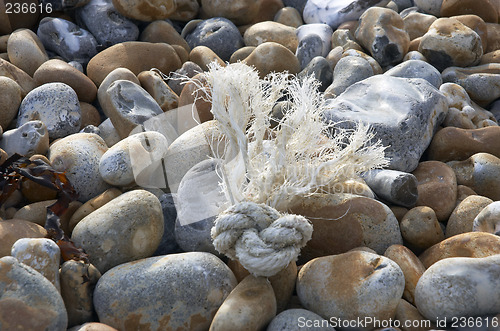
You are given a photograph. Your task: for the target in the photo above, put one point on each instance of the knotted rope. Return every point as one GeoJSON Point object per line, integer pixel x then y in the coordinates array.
{"type": "Point", "coordinates": [257, 235]}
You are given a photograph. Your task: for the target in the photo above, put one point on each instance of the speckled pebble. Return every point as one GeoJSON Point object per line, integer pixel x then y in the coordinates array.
{"type": "Point", "coordinates": [420, 228]}
{"type": "Point", "coordinates": [348, 70]}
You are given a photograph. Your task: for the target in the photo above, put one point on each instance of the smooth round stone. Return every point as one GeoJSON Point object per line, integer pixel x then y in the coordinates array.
{"type": "Point", "coordinates": [35, 212]}
{"type": "Point", "coordinates": [334, 56]}
{"type": "Point", "coordinates": [410, 265]}
{"type": "Point", "coordinates": [30, 138]}
{"type": "Point", "coordinates": [462, 218]}
{"type": "Point", "coordinates": [382, 32]}
{"type": "Point", "coordinates": [417, 69]}
{"type": "Point", "coordinates": [67, 39]}
{"type": "Point", "coordinates": [240, 12]}
{"type": "Point", "coordinates": [136, 216]}
{"type": "Point", "coordinates": [11, 95]}
{"type": "Point", "coordinates": [448, 43]}
{"type": "Point", "coordinates": [396, 187]}
{"type": "Point", "coordinates": [377, 69]}
{"type": "Point", "coordinates": [203, 56]}
{"type": "Point", "coordinates": [408, 314]}
{"type": "Point", "coordinates": [321, 70]}
{"type": "Point", "coordinates": [420, 228]}
{"type": "Point", "coordinates": [334, 14]}
{"type": "Point", "coordinates": [298, 319]}
{"type": "Point", "coordinates": [24, 80]}
{"type": "Point", "coordinates": [134, 55]}
{"type": "Point", "coordinates": [123, 162]}
{"type": "Point", "coordinates": [251, 305]}
{"type": "Point", "coordinates": [289, 16]}
{"type": "Point", "coordinates": [162, 31]}
{"type": "Point", "coordinates": [154, 84]}
{"type": "Point", "coordinates": [128, 105]}
{"type": "Point", "coordinates": [41, 254]}
{"type": "Point", "coordinates": [106, 24]}
{"type": "Point", "coordinates": [488, 219]}
{"type": "Point", "coordinates": [437, 187]}
{"type": "Point", "coordinates": [486, 9]}
{"type": "Point", "coordinates": [59, 71]}
{"type": "Point", "coordinates": [453, 144]}
{"type": "Point", "coordinates": [344, 221]}
{"type": "Point", "coordinates": [477, 24]}
{"type": "Point", "coordinates": [348, 70]}
{"type": "Point", "coordinates": [417, 24]}
{"type": "Point", "coordinates": [189, 69]}
{"type": "Point", "coordinates": [90, 115]}
{"type": "Point", "coordinates": [460, 287]}
{"type": "Point", "coordinates": [309, 47]}
{"type": "Point", "coordinates": [219, 34]}
{"type": "Point", "coordinates": [26, 50]}
{"type": "Point", "coordinates": [271, 56]}
{"type": "Point", "coordinates": [15, 229]}
{"type": "Point", "coordinates": [56, 105]}
{"type": "Point", "coordinates": [470, 244]}
{"type": "Point", "coordinates": [78, 295]}
{"type": "Point", "coordinates": [482, 83]}
{"type": "Point", "coordinates": [480, 172]}
{"type": "Point", "coordinates": [270, 31]}
{"type": "Point", "coordinates": [324, 31]}
{"type": "Point", "coordinates": [129, 293]}
{"type": "Point", "coordinates": [28, 301]}
{"type": "Point", "coordinates": [78, 155]}
{"type": "Point", "coordinates": [145, 10]}
{"type": "Point", "coordinates": [351, 285]}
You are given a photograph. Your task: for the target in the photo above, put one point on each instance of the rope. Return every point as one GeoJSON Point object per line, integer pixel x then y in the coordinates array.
{"type": "Point", "coordinates": [257, 235]}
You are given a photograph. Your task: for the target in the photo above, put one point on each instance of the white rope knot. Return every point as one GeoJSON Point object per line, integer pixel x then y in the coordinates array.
{"type": "Point", "coordinates": [257, 235]}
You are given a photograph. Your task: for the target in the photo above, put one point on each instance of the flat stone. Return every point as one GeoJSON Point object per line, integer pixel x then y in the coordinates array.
{"type": "Point", "coordinates": [459, 287]}
{"type": "Point", "coordinates": [164, 292]}
{"type": "Point", "coordinates": [28, 300]}
{"type": "Point", "coordinates": [78, 155]}
{"type": "Point", "coordinates": [145, 10]}
{"type": "Point", "coordinates": [462, 218]}
{"type": "Point", "coordinates": [136, 216]}
{"type": "Point", "coordinates": [403, 113]}
{"type": "Point", "coordinates": [26, 50]}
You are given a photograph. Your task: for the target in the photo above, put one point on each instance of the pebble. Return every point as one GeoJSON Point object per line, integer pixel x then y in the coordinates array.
{"type": "Point", "coordinates": [67, 39]}
{"type": "Point", "coordinates": [189, 69]}
{"type": "Point", "coordinates": [420, 228]}
{"type": "Point", "coordinates": [417, 24]}
{"type": "Point", "coordinates": [108, 132]}
{"type": "Point", "coordinates": [77, 285]}
{"type": "Point", "coordinates": [136, 215]}
{"type": "Point", "coordinates": [417, 69]}
{"type": "Point", "coordinates": [24, 80]}
{"type": "Point", "coordinates": [432, 7]}
{"type": "Point", "coordinates": [405, 121]}
{"type": "Point", "coordinates": [162, 31]}
{"type": "Point", "coordinates": [382, 32]}
{"type": "Point", "coordinates": [470, 279]}
{"type": "Point", "coordinates": [377, 69]}
{"type": "Point", "coordinates": [456, 144]}
{"type": "Point", "coordinates": [164, 292]}
{"type": "Point", "coordinates": [410, 265]}
{"type": "Point", "coordinates": [462, 218]}
{"type": "Point", "coordinates": [136, 56]}
{"type": "Point", "coordinates": [270, 31]}
{"type": "Point", "coordinates": [78, 155]}
{"type": "Point", "coordinates": [168, 244]}
{"type": "Point", "coordinates": [41, 254]}
{"type": "Point", "coordinates": [56, 105]}
{"type": "Point", "coordinates": [321, 70]}
{"type": "Point", "coordinates": [203, 56]}
{"type": "Point", "coordinates": [128, 105]}
{"type": "Point", "coordinates": [289, 16]}
{"type": "Point", "coordinates": [11, 95]}
{"type": "Point", "coordinates": [59, 71]}
{"type": "Point", "coordinates": [132, 157]}
{"type": "Point", "coordinates": [298, 319]}
{"type": "Point", "coordinates": [345, 39]}
{"type": "Point", "coordinates": [154, 84]}
{"type": "Point", "coordinates": [106, 24]}
{"type": "Point", "coordinates": [145, 10]}
{"type": "Point", "coordinates": [271, 56]}
{"type": "Point", "coordinates": [334, 14]}
{"type": "Point", "coordinates": [219, 34]}
{"type": "Point", "coordinates": [189, 98]}
{"type": "Point", "coordinates": [29, 301]}
{"type": "Point", "coordinates": [348, 70]}
{"type": "Point", "coordinates": [15, 229]}
{"type": "Point", "coordinates": [30, 138]}
{"type": "Point", "coordinates": [26, 51]}
{"type": "Point", "coordinates": [344, 221]}
{"type": "Point", "coordinates": [488, 219]}
{"type": "Point", "coordinates": [448, 43]}
{"type": "Point", "coordinates": [251, 304]}
{"type": "Point", "coordinates": [470, 244]}
{"type": "Point", "coordinates": [408, 314]}
{"type": "Point", "coordinates": [90, 115]}
{"type": "Point", "coordinates": [486, 9]}
{"type": "Point", "coordinates": [437, 187]}
{"type": "Point", "coordinates": [116, 74]}
{"type": "Point", "coordinates": [323, 31]}
{"type": "Point", "coordinates": [309, 48]}
{"type": "Point", "coordinates": [396, 187]}
{"type": "Point", "coordinates": [477, 24]}
{"type": "Point", "coordinates": [351, 285]}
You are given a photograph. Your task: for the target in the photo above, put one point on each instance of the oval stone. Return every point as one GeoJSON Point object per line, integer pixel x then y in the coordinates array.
{"type": "Point", "coordinates": [26, 51]}
{"type": "Point", "coordinates": [462, 218]}
{"type": "Point", "coordinates": [11, 95]}
{"type": "Point", "coordinates": [271, 56]}
{"type": "Point", "coordinates": [15, 229]}
{"type": "Point", "coordinates": [164, 292]}
{"type": "Point", "coordinates": [271, 32]}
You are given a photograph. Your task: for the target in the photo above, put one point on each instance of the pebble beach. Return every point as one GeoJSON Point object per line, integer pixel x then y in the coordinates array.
{"type": "Point", "coordinates": [227, 165]}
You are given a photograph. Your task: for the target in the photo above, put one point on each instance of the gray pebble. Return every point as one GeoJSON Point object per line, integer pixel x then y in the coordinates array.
{"type": "Point", "coordinates": [321, 69]}
{"type": "Point", "coordinates": [349, 70]}
{"type": "Point", "coordinates": [417, 69]}
{"type": "Point", "coordinates": [219, 34]}
{"type": "Point", "coordinates": [168, 244]}
{"type": "Point", "coordinates": [188, 69]}
{"type": "Point", "coordinates": [56, 105]}
{"type": "Point", "coordinates": [67, 39]}
{"type": "Point", "coordinates": [309, 47]}
{"type": "Point", "coordinates": [107, 25]}
{"type": "Point", "coordinates": [396, 187]}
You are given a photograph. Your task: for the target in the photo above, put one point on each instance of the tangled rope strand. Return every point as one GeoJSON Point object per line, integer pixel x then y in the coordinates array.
{"type": "Point", "coordinates": [262, 240]}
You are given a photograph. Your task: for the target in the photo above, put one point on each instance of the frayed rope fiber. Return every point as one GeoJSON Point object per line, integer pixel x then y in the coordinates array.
{"type": "Point", "coordinates": [259, 237]}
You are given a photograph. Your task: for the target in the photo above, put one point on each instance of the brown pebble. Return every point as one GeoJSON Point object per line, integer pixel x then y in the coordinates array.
{"type": "Point", "coordinates": [464, 214]}
{"type": "Point", "coordinates": [14, 229]}
{"type": "Point", "coordinates": [19, 76]}
{"type": "Point", "coordinates": [410, 317]}
{"type": "Point", "coordinates": [271, 56]}
{"type": "Point", "coordinates": [486, 9]}
{"type": "Point", "coordinates": [271, 31]}
{"type": "Point", "coordinates": [163, 32]}
{"type": "Point", "coordinates": [463, 192]}
{"type": "Point", "coordinates": [289, 16]}
{"type": "Point", "coordinates": [182, 53]}
{"type": "Point", "coordinates": [477, 24]}
{"type": "Point", "coordinates": [154, 84]}
{"type": "Point", "coordinates": [11, 95]}
{"type": "Point", "coordinates": [420, 228]}
{"type": "Point", "coordinates": [188, 96]}
{"type": "Point", "coordinates": [145, 10]}
{"type": "Point", "coordinates": [202, 56]}
{"type": "Point", "coordinates": [241, 54]}
{"type": "Point", "coordinates": [90, 115]}
{"type": "Point", "coordinates": [26, 51]}
{"type": "Point", "coordinates": [493, 37]}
